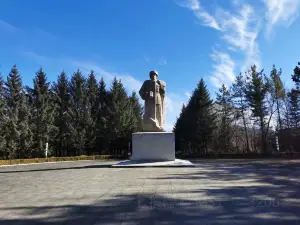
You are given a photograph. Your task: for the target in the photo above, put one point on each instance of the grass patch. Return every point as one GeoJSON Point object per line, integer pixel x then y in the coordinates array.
{"type": "Point", "coordinates": [60, 159]}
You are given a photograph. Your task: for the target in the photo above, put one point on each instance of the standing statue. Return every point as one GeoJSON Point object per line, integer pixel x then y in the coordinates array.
{"type": "Point", "coordinates": [153, 93]}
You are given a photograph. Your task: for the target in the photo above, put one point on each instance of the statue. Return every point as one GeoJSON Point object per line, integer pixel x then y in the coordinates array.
{"type": "Point", "coordinates": [153, 93]}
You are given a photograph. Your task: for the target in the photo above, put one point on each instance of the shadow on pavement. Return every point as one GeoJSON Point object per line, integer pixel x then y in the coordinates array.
{"type": "Point", "coordinates": [157, 209]}
{"type": "Point", "coordinates": [15, 170]}
{"type": "Point", "coordinates": [269, 195]}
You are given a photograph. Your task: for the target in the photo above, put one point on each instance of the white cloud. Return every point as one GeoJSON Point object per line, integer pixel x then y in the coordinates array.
{"type": "Point", "coordinates": [130, 83]}
{"type": "Point", "coordinates": [7, 27]}
{"type": "Point", "coordinates": [223, 69]}
{"type": "Point", "coordinates": [146, 59]}
{"type": "Point", "coordinates": [162, 62]}
{"type": "Point", "coordinates": [281, 12]}
{"type": "Point", "coordinates": [200, 12]}
{"type": "Point", "coordinates": [42, 60]}
{"type": "Point", "coordinates": [239, 29]}
{"type": "Point", "coordinates": [190, 4]}
{"type": "Point", "coordinates": [231, 48]}
{"type": "Point", "coordinates": [208, 19]}
{"type": "Point", "coordinates": [187, 94]}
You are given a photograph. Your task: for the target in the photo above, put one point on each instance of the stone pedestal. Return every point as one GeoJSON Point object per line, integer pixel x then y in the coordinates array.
{"type": "Point", "coordinates": [154, 146]}
{"type": "Point", "coordinates": [153, 149]}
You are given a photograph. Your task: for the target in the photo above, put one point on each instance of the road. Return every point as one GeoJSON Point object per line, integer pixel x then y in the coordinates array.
{"type": "Point", "coordinates": [91, 192]}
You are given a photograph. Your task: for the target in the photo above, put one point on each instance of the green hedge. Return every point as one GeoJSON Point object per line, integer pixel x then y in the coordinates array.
{"type": "Point", "coordinates": [59, 159]}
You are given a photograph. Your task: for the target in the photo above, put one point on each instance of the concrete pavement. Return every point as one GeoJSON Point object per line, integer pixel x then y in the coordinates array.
{"type": "Point", "coordinates": [91, 192]}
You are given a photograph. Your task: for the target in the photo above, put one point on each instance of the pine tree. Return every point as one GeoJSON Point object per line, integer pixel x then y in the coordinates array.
{"type": "Point", "coordinates": [18, 133]}
{"type": "Point", "coordinates": [61, 96]}
{"type": "Point", "coordinates": [137, 113]}
{"type": "Point", "coordinates": [101, 124]}
{"type": "Point", "coordinates": [200, 119]}
{"type": "Point", "coordinates": [256, 91]}
{"type": "Point", "coordinates": [3, 118]}
{"type": "Point", "coordinates": [42, 113]}
{"type": "Point", "coordinates": [240, 104]}
{"type": "Point", "coordinates": [181, 140]}
{"type": "Point", "coordinates": [296, 77]}
{"type": "Point", "coordinates": [81, 117]}
{"type": "Point", "coordinates": [223, 101]}
{"type": "Point", "coordinates": [277, 92]}
{"type": "Point", "coordinates": [120, 122]}
{"type": "Point", "coordinates": [294, 109]}
{"type": "Point", "coordinates": [92, 96]}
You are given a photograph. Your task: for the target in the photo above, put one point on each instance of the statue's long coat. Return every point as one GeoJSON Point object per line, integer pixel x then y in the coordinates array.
{"type": "Point", "coordinates": [144, 93]}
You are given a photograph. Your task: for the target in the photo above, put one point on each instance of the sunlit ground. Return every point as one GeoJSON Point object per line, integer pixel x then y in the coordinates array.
{"type": "Point", "coordinates": [213, 192]}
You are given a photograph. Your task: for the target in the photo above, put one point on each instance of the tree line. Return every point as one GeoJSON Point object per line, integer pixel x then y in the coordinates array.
{"type": "Point", "coordinates": [76, 116]}
{"type": "Point", "coordinates": [242, 117]}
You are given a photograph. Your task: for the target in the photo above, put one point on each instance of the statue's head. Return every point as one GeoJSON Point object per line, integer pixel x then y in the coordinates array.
{"type": "Point", "coordinates": [153, 75]}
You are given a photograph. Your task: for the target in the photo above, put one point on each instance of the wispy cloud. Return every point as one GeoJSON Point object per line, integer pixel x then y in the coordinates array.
{"type": "Point", "coordinates": [206, 18]}
{"type": "Point", "coordinates": [130, 83]}
{"type": "Point", "coordinates": [239, 29]}
{"type": "Point", "coordinates": [162, 62]}
{"type": "Point", "coordinates": [7, 27]}
{"type": "Point", "coordinates": [223, 69]}
{"type": "Point", "coordinates": [146, 59]}
{"type": "Point", "coordinates": [188, 94]}
{"type": "Point", "coordinates": [282, 12]}
{"type": "Point", "coordinates": [38, 58]}
{"type": "Point", "coordinates": [44, 34]}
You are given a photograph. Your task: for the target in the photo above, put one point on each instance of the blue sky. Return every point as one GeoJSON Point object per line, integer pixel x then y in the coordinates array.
{"type": "Point", "coordinates": [184, 40]}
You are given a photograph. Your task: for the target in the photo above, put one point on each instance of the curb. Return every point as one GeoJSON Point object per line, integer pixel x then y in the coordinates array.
{"type": "Point", "coordinates": [26, 164]}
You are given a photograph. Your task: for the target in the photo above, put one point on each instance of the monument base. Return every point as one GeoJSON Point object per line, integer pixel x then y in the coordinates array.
{"type": "Point", "coordinates": [145, 163]}
{"type": "Point", "coordinates": [153, 149]}
{"type": "Point", "coordinates": [157, 146]}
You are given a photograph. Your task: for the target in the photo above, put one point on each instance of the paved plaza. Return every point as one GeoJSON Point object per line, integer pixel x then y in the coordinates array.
{"type": "Point", "coordinates": [91, 192]}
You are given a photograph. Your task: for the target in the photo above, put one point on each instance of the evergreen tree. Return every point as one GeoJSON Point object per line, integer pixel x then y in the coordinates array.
{"type": "Point", "coordinates": [293, 109]}
{"type": "Point", "coordinates": [256, 91]}
{"type": "Point", "coordinates": [81, 117]}
{"type": "Point", "coordinates": [120, 118]}
{"type": "Point", "coordinates": [92, 96]}
{"type": "Point", "coordinates": [101, 124]}
{"type": "Point", "coordinates": [181, 140]}
{"type": "Point", "coordinates": [240, 104]}
{"type": "Point", "coordinates": [42, 113]}
{"type": "Point", "coordinates": [224, 114]}
{"type": "Point", "coordinates": [61, 96]}
{"type": "Point", "coordinates": [200, 118]}
{"type": "Point", "coordinates": [2, 120]}
{"type": "Point", "coordinates": [296, 77]}
{"type": "Point", "coordinates": [277, 92]}
{"type": "Point", "coordinates": [17, 130]}
{"type": "Point", "coordinates": [137, 114]}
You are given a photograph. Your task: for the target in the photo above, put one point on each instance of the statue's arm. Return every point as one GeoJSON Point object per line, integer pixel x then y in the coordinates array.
{"type": "Point", "coordinates": [162, 87]}
{"type": "Point", "coordinates": [142, 92]}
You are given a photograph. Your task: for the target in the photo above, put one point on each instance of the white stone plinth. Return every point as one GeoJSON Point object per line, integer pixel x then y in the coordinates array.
{"type": "Point", "coordinates": [156, 146]}
{"type": "Point", "coordinates": [142, 163]}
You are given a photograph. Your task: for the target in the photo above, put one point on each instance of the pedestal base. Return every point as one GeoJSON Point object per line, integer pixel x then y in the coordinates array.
{"type": "Point", "coordinates": [158, 146]}
{"type": "Point", "coordinates": [143, 163]}
{"type": "Point", "coordinates": [153, 149]}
